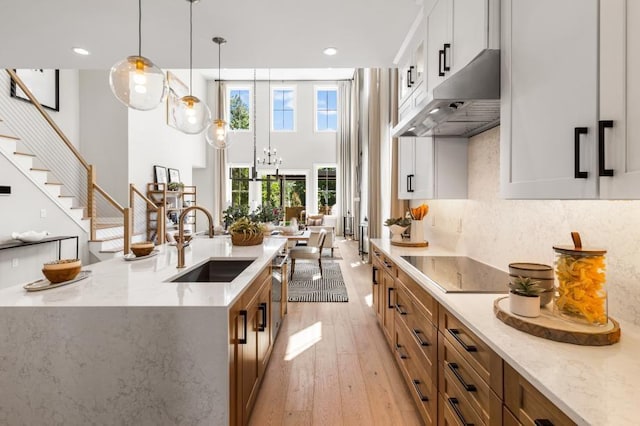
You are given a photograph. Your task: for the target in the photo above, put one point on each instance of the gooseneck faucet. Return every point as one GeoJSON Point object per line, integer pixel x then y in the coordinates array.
{"type": "Point", "coordinates": [180, 241]}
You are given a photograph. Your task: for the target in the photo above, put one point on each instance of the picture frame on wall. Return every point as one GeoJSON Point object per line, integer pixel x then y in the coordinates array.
{"type": "Point", "coordinates": [43, 84]}
{"type": "Point", "coordinates": [160, 174]}
{"type": "Point", "coordinates": [174, 175]}
{"type": "Point", "coordinates": [177, 89]}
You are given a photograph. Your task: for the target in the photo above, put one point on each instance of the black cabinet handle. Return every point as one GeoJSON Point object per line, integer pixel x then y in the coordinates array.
{"type": "Point", "coordinates": [454, 369]}
{"type": "Point", "coordinates": [243, 341]}
{"type": "Point", "coordinates": [411, 75]}
{"type": "Point", "coordinates": [416, 334]}
{"type": "Point", "coordinates": [410, 183]}
{"type": "Point", "coordinates": [445, 62]}
{"type": "Point", "coordinates": [389, 305]}
{"type": "Point", "coordinates": [453, 402]}
{"type": "Point", "coordinates": [440, 63]}
{"type": "Point", "coordinates": [603, 124]}
{"type": "Point", "coordinates": [263, 308]}
{"type": "Point", "coordinates": [373, 276]}
{"type": "Point", "coordinates": [400, 354]}
{"type": "Point", "coordinates": [456, 335]}
{"type": "Point", "coordinates": [416, 386]}
{"type": "Point", "coordinates": [542, 422]}
{"type": "Point", "coordinates": [576, 152]}
{"type": "Point", "coordinates": [399, 309]}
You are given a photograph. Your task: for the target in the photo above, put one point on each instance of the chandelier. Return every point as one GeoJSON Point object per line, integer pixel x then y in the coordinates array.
{"type": "Point", "coordinates": [271, 154]}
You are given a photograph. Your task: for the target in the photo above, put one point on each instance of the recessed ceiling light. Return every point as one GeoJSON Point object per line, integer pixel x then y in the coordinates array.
{"type": "Point", "coordinates": [80, 51]}
{"type": "Point", "coordinates": [330, 51]}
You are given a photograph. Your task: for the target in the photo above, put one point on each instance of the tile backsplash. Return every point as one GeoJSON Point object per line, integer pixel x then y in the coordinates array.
{"type": "Point", "coordinates": [498, 232]}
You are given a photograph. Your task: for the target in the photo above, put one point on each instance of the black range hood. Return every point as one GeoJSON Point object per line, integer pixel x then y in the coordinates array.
{"type": "Point", "coordinates": [465, 104]}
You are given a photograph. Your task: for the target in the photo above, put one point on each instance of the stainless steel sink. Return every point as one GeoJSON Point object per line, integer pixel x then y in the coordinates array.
{"type": "Point", "coordinates": [215, 271]}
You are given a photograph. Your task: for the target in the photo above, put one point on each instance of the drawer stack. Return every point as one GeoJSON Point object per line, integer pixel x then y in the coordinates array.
{"type": "Point", "coordinates": [383, 288]}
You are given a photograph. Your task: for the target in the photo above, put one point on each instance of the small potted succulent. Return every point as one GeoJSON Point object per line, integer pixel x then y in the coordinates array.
{"type": "Point", "coordinates": [524, 297]}
{"type": "Point", "coordinates": [245, 232]}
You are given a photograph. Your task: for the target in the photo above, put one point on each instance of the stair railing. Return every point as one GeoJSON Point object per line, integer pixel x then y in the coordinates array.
{"type": "Point", "coordinates": [141, 207]}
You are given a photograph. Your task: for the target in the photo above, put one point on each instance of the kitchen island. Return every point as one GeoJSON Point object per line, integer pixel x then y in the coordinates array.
{"type": "Point", "coordinates": [126, 345]}
{"type": "Point", "coordinates": [591, 385]}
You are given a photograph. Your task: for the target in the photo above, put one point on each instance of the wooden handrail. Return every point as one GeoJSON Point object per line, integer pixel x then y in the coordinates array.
{"type": "Point", "coordinates": [111, 201]}
{"type": "Point", "coordinates": [46, 116]}
{"type": "Point", "coordinates": [133, 189]}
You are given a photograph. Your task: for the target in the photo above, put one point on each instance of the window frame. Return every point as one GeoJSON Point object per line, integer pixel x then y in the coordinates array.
{"type": "Point", "coordinates": [229, 189]}
{"type": "Point", "coordinates": [227, 106]}
{"type": "Point", "coordinates": [316, 186]}
{"type": "Point", "coordinates": [294, 89]}
{"type": "Point", "coordinates": [317, 89]}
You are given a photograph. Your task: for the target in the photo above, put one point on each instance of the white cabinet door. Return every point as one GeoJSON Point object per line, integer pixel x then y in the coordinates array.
{"type": "Point", "coordinates": [404, 83]}
{"type": "Point", "coordinates": [470, 25]}
{"type": "Point", "coordinates": [423, 183]}
{"type": "Point", "coordinates": [620, 97]}
{"type": "Point", "coordinates": [438, 34]}
{"type": "Point", "coordinates": [549, 89]}
{"type": "Point", "coordinates": [406, 162]}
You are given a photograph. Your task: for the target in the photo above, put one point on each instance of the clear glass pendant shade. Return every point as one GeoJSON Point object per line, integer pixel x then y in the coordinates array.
{"type": "Point", "coordinates": [138, 83]}
{"type": "Point", "coordinates": [191, 116]}
{"type": "Point", "coordinates": [218, 134]}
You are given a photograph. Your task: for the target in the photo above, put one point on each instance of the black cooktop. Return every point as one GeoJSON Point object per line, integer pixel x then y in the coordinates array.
{"type": "Point", "coordinates": [459, 274]}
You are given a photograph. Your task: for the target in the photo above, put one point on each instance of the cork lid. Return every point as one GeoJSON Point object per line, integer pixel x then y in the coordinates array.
{"type": "Point", "coordinates": [577, 248]}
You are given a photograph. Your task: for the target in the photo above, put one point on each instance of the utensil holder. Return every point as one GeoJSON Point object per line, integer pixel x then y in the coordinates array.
{"type": "Point", "coordinates": [417, 231]}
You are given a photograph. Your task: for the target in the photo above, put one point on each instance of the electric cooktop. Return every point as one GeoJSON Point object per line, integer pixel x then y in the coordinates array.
{"type": "Point", "coordinates": [460, 274]}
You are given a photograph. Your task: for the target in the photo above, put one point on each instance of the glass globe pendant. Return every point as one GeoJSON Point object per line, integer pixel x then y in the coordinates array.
{"type": "Point", "coordinates": [136, 81]}
{"type": "Point", "coordinates": [217, 134]}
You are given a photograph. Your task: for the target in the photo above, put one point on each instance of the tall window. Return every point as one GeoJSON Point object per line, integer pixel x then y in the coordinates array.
{"type": "Point", "coordinates": [326, 109]}
{"type": "Point", "coordinates": [283, 109]}
{"type": "Point", "coordinates": [239, 106]}
{"type": "Point", "coordinates": [239, 186]}
{"type": "Point", "coordinates": [326, 189]}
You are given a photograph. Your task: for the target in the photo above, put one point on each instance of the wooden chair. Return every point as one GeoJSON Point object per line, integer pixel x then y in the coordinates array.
{"type": "Point", "coordinates": [312, 251]}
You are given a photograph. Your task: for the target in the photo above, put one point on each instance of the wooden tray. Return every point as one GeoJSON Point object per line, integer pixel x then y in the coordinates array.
{"type": "Point", "coordinates": [410, 244]}
{"type": "Point", "coordinates": [45, 284]}
{"type": "Point", "coordinates": [552, 327]}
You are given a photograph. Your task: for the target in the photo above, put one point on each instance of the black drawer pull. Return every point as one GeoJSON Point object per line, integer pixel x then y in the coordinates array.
{"type": "Point", "coordinates": [416, 334]}
{"type": "Point", "coordinates": [454, 369]}
{"type": "Point", "coordinates": [603, 124]}
{"type": "Point", "coordinates": [410, 183]}
{"type": "Point", "coordinates": [576, 153]}
{"type": "Point", "coordinates": [399, 309]}
{"type": "Point", "coordinates": [446, 67]}
{"type": "Point", "coordinates": [453, 402]}
{"type": "Point", "coordinates": [409, 78]}
{"type": "Point", "coordinates": [542, 422]}
{"type": "Point", "coordinates": [400, 354]}
{"type": "Point", "coordinates": [411, 75]}
{"type": "Point", "coordinates": [263, 307]}
{"type": "Point", "coordinates": [243, 341]}
{"type": "Point", "coordinates": [456, 335]}
{"type": "Point", "coordinates": [416, 385]}
{"type": "Point", "coordinates": [374, 278]}
{"type": "Point", "coordinates": [389, 305]}
{"type": "Point", "coordinates": [440, 63]}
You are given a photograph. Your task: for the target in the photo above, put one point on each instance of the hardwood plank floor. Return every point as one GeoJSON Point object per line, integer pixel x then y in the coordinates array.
{"type": "Point", "coordinates": [331, 364]}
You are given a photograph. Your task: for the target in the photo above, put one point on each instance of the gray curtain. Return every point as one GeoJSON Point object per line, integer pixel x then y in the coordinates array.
{"type": "Point", "coordinates": [345, 168]}
{"type": "Point", "coordinates": [220, 163]}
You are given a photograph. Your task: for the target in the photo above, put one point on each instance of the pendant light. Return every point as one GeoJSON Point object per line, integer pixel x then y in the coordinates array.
{"type": "Point", "coordinates": [191, 115]}
{"type": "Point", "coordinates": [136, 81]}
{"type": "Point", "coordinates": [217, 134]}
{"type": "Point", "coordinates": [268, 161]}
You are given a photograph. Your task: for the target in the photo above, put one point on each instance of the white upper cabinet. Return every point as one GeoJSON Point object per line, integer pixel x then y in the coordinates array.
{"type": "Point", "coordinates": [569, 86]}
{"type": "Point", "coordinates": [439, 23]}
{"type": "Point", "coordinates": [412, 67]}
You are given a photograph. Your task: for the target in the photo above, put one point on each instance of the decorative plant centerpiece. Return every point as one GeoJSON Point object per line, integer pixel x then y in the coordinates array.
{"type": "Point", "coordinates": [269, 215]}
{"type": "Point", "coordinates": [233, 213]}
{"type": "Point", "coordinates": [245, 232]}
{"type": "Point", "coordinates": [524, 297]}
{"type": "Point", "coordinates": [397, 226]}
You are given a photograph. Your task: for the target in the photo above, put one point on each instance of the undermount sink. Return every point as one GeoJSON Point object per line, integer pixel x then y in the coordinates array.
{"type": "Point", "coordinates": [215, 271]}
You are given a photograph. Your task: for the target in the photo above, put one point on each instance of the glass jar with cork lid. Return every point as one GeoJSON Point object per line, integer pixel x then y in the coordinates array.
{"type": "Point", "coordinates": [581, 293]}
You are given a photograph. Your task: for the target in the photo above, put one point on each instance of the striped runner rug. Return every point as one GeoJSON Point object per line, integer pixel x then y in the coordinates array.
{"type": "Point", "coordinates": [306, 285]}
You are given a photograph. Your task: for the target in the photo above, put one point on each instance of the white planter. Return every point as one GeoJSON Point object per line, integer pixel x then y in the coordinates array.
{"type": "Point", "coordinates": [526, 306]}
{"type": "Point", "coordinates": [396, 232]}
{"type": "Point", "coordinates": [417, 231]}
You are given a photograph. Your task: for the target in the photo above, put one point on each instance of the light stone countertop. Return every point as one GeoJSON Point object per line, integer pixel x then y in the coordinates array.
{"type": "Point", "coordinates": [592, 385]}
{"type": "Point", "coordinates": [120, 283]}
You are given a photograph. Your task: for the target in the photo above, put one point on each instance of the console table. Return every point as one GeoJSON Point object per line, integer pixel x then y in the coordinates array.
{"type": "Point", "coordinates": [16, 243]}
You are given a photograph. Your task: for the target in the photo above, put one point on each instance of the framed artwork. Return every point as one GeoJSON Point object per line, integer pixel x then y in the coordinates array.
{"type": "Point", "coordinates": [177, 89]}
{"type": "Point", "coordinates": [160, 174]}
{"type": "Point", "coordinates": [174, 175]}
{"type": "Point", "coordinates": [43, 84]}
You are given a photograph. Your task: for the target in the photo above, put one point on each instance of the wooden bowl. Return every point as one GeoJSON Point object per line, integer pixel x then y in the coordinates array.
{"type": "Point", "coordinates": [142, 249]}
{"type": "Point", "coordinates": [62, 270]}
{"type": "Point", "coordinates": [246, 240]}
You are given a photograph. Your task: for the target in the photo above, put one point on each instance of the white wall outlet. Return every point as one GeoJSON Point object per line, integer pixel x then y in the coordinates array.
{"type": "Point", "coordinates": [460, 226]}
{"type": "Point", "coordinates": [14, 263]}
{"type": "Point", "coordinates": [43, 212]}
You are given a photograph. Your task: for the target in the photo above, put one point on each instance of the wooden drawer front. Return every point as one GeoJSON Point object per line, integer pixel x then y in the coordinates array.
{"type": "Point", "coordinates": [376, 287]}
{"type": "Point", "coordinates": [455, 409]}
{"type": "Point", "coordinates": [421, 385]}
{"type": "Point", "coordinates": [424, 357]}
{"type": "Point", "coordinates": [528, 404]}
{"type": "Point", "coordinates": [256, 285]}
{"type": "Point", "coordinates": [478, 355]}
{"type": "Point", "coordinates": [425, 302]}
{"type": "Point", "coordinates": [508, 419]}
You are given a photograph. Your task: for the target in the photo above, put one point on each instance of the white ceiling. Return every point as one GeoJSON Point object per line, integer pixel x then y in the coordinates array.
{"type": "Point", "coordinates": [260, 33]}
{"type": "Point", "coordinates": [277, 74]}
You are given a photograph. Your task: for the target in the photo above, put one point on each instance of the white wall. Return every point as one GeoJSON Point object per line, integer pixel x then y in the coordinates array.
{"type": "Point", "coordinates": [67, 117]}
{"type": "Point", "coordinates": [103, 133]}
{"type": "Point", "coordinates": [499, 232]}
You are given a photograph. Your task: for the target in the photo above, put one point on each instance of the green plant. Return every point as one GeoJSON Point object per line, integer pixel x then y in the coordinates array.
{"type": "Point", "coordinates": [525, 286]}
{"type": "Point", "coordinates": [267, 212]}
{"type": "Point", "coordinates": [247, 227]}
{"type": "Point", "coordinates": [233, 213]}
{"type": "Point", "coordinates": [400, 221]}
{"type": "Point", "coordinates": [175, 186]}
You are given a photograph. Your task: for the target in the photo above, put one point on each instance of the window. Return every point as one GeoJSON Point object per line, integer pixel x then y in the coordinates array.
{"type": "Point", "coordinates": [326, 189]}
{"type": "Point", "coordinates": [283, 108]}
{"type": "Point", "coordinates": [326, 109]}
{"type": "Point", "coordinates": [239, 186]}
{"type": "Point", "coordinates": [239, 107]}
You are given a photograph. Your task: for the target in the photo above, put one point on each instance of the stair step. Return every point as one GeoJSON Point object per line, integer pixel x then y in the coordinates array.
{"type": "Point", "coordinates": [113, 250]}
{"type": "Point", "coordinates": [9, 137]}
{"type": "Point", "coordinates": [23, 153]}
{"type": "Point", "coordinates": [134, 237]}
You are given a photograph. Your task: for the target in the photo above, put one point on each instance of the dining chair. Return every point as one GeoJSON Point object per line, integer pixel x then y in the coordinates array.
{"type": "Point", "coordinates": [313, 250]}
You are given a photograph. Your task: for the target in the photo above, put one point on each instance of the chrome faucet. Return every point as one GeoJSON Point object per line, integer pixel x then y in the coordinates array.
{"type": "Point", "coordinates": [180, 241]}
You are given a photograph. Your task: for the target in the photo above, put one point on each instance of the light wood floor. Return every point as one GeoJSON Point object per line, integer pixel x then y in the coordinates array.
{"type": "Point", "coordinates": [331, 364]}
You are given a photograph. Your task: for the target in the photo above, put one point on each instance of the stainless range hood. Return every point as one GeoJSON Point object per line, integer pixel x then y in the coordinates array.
{"type": "Point", "coordinates": [465, 104]}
